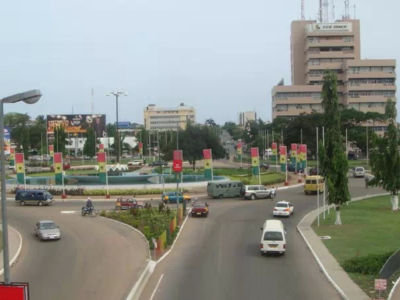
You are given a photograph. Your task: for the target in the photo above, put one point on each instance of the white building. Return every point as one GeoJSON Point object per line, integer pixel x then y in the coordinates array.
{"type": "Point", "coordinates": [161, 118]}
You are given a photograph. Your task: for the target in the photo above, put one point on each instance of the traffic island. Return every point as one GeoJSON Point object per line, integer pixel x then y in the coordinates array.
{"type": "Point", "coordinates": [368, 237]}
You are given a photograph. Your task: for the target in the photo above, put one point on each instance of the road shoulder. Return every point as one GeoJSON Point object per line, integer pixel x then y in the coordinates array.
{"type": "Point", "coordinates": [15, 246]}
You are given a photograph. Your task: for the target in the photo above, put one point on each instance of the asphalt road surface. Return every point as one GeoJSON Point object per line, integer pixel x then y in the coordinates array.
{"type": "Point", "coordinates": [219, 258]}
{"type": "Point", "coordinates": [95, 258]}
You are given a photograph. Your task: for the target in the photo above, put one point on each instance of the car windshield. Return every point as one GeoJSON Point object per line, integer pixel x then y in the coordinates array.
{"type": "Point", "coordinates": [281, 205]}
{"type": "Point", "coordinates": [359, 169]}
{"type": "Point", "coordinates": [273, 236]}
{"type": "Point", "coordinates": [48, 226]}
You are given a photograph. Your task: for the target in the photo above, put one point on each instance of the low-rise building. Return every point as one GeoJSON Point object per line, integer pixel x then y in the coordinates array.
{"type": "Point", "coordinates": [247, 116]}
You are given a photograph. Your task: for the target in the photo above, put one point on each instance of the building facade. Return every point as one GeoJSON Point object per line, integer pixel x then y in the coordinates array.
{"type": "Point", "coordinates": [364, 85]}
{"type": "Point", "coordinates": [162, 119]}
{"type": "Point", "coordinates": [247, 116]}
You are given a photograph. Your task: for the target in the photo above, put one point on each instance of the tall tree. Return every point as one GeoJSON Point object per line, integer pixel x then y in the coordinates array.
{"type": "Point", "coordinates": [60, 140]}
{"type": "Point", "coordinates": [335, 164]}
{"type": "Point", "coordinates": [385, 157]}
{"type": "Point", "coordinates": [89, 148]}
{"type": "Point", "coordinates": [25, 140]}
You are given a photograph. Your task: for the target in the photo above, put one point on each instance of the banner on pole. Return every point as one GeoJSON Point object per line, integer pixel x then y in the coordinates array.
{"type": "Point", "coordinates": [208, 167]}
{"type": "Point", "coordinates": [20, 162]}
{"type": "Point", "coordinates": [274, 151]}
{"type": "Point", "coordinates": [239, 150]}
{"type": "Point", "coordinates": [177, 162]}
{"type": "Point", "coordinates": [255, 161]}
{"type": "Point", "coordinates": [293, 154]}
{"type": "Point", "coordinates": [101, 162]}
{"type": "Point", "coordinates": [58, 168]}
{"type": "Point", "coordinates": [12, 157]}
{"type": "Point", "coordinates": [304, 156]}
{"type": "Point", "coordinates": [51, 152]}
{"type": "Point", "coordinates": [101, 148]}
{"type": "Point", "coordinates": [283, 157]}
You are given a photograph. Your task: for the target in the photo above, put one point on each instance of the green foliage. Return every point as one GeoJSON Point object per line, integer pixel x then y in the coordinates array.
{"type": "Point", "coordinates": [385, 157]}
{"type": "Point", "coordinates": [334, 165]}
{"type": "Point", "coordinates": [368, 265]}
{"type": "Point", "coordinates": [89, 148]}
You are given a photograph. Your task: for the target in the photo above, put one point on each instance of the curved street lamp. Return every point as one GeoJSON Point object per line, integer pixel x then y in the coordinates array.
{"type": "Point", "coordinates": [30, 97]}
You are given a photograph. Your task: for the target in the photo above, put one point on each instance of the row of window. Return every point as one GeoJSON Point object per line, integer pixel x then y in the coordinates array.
{"type": "Point", "coordinates": [372, 81]}
{"type": "Point", "coordinates": [318, 61]}
{"type": "Point", "coordinates": [329, 49]}
{"type": "Point", "coordinates": [281, 96]}
{"type": "Point", "coordinates": [316, 107]}
{"type": "Point", "coordinates": [366, 104]}
{"type": "Point", "coordinates": [356, 70]}
{"type": "Point", "coordinates": [315, 39]}
{"type": "Point", "coordinates": [356, 94]}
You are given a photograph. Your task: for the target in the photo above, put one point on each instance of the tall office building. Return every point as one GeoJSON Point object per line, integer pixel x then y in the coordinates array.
{"type": "Point", "coordinates": [161, 119]}
{"type": "Point", "coordinates": [363, 84]}
{"type": "Point", "coordinates": [247, 116]}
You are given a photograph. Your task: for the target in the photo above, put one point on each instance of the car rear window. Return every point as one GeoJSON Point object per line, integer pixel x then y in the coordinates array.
{"type": "Point", "coordinates": [359, 169]}
{"type": "Point", "coordinates": [273, 236]}
{"type": "Point", "coordinates": [281, 205]}
{"type": "Point", "coordinates": [199, 205]}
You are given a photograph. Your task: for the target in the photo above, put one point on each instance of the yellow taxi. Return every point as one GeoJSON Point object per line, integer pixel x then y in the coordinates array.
{"type": "Point", "coordinates": [313, 184]}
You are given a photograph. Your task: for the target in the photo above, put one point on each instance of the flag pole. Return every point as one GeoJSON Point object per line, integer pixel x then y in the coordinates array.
{"type": "Point", "coordinates": [259, 172]}
{"type": "Point", "coordinates": [323, 143]}
{"type": "Point", "coordinates": [317, 177]}
{"type": "Point", "coordinates": [212, 167]}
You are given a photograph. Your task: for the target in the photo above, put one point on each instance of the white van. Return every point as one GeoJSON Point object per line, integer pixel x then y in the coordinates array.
{"type": "Point", "coordinates": [268, 152]}
{"type": "Point", "coordinates": [273, 238]}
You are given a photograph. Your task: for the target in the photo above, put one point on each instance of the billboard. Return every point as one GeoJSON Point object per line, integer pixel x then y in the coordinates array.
{"type": "Point", "coordinates": [7, 140]}
{"type": "Point", "coordinates": [339, 26]}
{"type": "Point", "coordinates": [77, 123]}
{"type": "Point", "coordinates": [14, 291]}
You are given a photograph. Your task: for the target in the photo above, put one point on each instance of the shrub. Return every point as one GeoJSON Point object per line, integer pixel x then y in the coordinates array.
{"type": "Point", "coordinates": [368, 265]}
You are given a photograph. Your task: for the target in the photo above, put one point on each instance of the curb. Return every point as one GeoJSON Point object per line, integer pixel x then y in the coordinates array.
{"type": "Point", "coordinates": [320, 264]}
{"type": "Point", "coordinates": [396, 285]}
{"type": "Point", "coordinates": [14, 259]}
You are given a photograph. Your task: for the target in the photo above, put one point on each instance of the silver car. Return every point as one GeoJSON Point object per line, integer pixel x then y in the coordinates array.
{"type": "Point", "coordinates": [253, 192]}
{"type": "Point", "coordinates": [47, 230]}
{"type": "Point", "coordinates": [359, 172]}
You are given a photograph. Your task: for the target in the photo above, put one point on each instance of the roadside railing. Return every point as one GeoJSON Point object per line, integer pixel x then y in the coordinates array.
{"type": "Point", "coordinates": [391, 266]}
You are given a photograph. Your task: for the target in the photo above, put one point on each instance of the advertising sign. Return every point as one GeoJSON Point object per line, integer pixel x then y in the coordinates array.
{"type": "Point", "coordinates": [380, 284]}
{"type": "Point", "coordinates": [78, 123]}
{"type": "Point", "coordinates": [339, 26]}
{"type": "Point", "coordinates": [177, 161]}
{"type": "Point", "coordinates": [14, 291]}
{"type": "Point", "coordinates": [7, 140]}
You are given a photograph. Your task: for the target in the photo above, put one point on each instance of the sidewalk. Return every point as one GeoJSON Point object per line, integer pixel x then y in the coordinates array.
{"type": "Point", "coordinates": [330, 267]}
{"type": "Point", "coordinates": [15, 246]}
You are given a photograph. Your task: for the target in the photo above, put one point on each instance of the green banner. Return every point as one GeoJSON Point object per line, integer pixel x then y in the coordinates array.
{"type": "Point", "coordinates": [256, 170]}
{"type": "Point", "coordinates": [103, 178]}
{"type": "Point", "coordinates": [21, 178]}
{"type": "Point", "coordinates": [59, 178]}
{"type": "Point", "coordinates": [208, 174]}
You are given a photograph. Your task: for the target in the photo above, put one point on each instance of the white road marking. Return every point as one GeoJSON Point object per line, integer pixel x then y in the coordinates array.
{"type": "Point", "coordinates": [68, 212]}
{"type": "Point", "coordinates": [155, 290]}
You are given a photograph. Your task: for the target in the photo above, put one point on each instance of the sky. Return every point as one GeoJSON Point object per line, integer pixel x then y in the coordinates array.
{"type": "Point", "coordinates": [221, 57]}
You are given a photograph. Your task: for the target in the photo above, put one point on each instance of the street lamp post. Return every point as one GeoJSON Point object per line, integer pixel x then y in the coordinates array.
{"type": "Point", "coordinates": [117, 95]}
{"type": "Point", "coordinates": [29, 97]}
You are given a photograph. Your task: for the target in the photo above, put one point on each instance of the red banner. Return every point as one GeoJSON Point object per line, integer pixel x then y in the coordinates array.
{"type": "Point", "coordinates": [177, 154]}
{"type": "Point", "coordinates": [19, 158]}
{"type": "Point", "coordinates": [14, 291]}
{"type": "Point", "coordinates": [58, 158]}
{"type": "Point", "coordinates": [177, 165]}
{"type": "Point", "coordinates": [239, 145]}
{"type": "Point", "coordinates": [207, 153]}
{"type": "Point", "coordinates": [274, 146]}
{"type": "Point", "coordinates": [12, 150]}
{"type": "Point", "coordinates": [101, 157]}
{"type": "Point", "coordinates": [282, 150]}
{"type": "Point", "coordinates": [294, 148]}
{"type": "Point", "coordinates": [254, 152]}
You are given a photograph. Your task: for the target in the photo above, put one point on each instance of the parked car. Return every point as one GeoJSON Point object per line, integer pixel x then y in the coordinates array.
{"type": "Point", "coordinates": [292, 168]}
{"type": "Point", "coordinates": [359, 172]}
{"type": "Point", "coordinates": [200, 209]}
{"type": "Point", "coordinates": [135, 163]}
{"type": "Point", "coordinates": [352, 156]}
{"type": "Point", "coordinates": [283, 208]}
{"type": "Point", "coordinates": [158, 163]}
{"type": "Point", "coordinates": [127, 203]}
{"type": "Point", "coordinates": [172, 197]}
{"type": "Point", "coordinates": [47, 230]}
{"type": "Point", "coordinates": [33, 197]}
{"type": "Point", "coordinates": [253, 192]}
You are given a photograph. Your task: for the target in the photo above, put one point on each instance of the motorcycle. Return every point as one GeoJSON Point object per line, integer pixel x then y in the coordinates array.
{"type": "Point", "coordinates": [88, 211]}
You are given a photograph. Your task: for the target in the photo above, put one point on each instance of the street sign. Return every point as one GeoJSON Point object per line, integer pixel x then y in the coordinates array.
{"type": "Point", "coordinates": [14, 291]}
{"type": "Point", "coordinates": [380, 284]}
{"type": "Point", "coordinates": [177, 165]}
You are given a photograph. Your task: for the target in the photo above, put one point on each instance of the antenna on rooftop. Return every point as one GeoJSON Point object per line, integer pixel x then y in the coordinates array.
{"type": "Point", "coordinates": [333, 11]}
{"type": "Point", "coordinates": [303, 17]}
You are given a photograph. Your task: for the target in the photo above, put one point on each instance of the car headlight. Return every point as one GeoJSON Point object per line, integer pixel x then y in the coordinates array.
{"type": "Point", "coordinates": [166, 197]}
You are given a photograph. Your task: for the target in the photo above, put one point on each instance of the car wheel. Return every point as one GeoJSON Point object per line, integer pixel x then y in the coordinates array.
{"type": "Point", "coordinates": [283, 254]}
{"type": "Point", "coordinates": [22, 203]}
{"type": "Point", "coordinates": [193, 215]}
{"type": "Point", "coordinates": [40, 203]}
{"type": "Point", "coordinates": [253, 197]}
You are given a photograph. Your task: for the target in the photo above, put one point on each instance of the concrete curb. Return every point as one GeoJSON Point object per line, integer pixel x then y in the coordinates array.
{"type": "Point", "coordinates": [396, 285]}
{"type": "Point", "coordinates": [14, 259]}
{"type": "Point", "coordinates": [320, 264]}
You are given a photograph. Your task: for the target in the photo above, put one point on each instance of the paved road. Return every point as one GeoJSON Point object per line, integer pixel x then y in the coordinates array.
{"type": "Point", "coordinates": [219, 258]}
{"type": "Point", "coordinates": [95, 258]}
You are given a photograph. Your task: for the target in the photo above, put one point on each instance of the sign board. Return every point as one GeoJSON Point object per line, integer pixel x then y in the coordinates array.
{"type": "Point", "coordinates": [7, 140]}
{"type": "Point", "coordinates": [177, 165]}
{"type": "Point", "coordinates": [14, 291]}
{"type": "Point", "coordinates": [380, 284]}
{"type": "Point", "coordinates": [78, 124]}
{"type": "Point", "coordinates": [326, 27]}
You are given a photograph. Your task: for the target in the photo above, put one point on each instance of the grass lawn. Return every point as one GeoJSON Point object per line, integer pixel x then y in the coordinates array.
{"type": "Point", "coordinates": [68, 172]}
{"type": "Point", "coordinates": [266, 178]}
{"type": "Point", "coordinates": [352, 163]}
{"type": "Point", "coordinates": [369, 227]}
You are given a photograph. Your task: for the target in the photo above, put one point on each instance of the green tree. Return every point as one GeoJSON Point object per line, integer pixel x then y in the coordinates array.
{"type": "Point", "coordinates": [19, 124]}
{"type": "Point", "coordinates": [89, 148]}
{"type": "Point", "coordinates": [25, 141]}
{"type": "Point", "coordinates": [385, 158]}
{"type": "Point", "coordinates": [334, 165]}
{"type": "Point", "coordinates": [60, 140]}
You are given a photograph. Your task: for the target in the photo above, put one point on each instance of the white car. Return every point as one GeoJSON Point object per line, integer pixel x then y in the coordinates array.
{"type": "Point", "coordinates": [135, 163]}
{"type": "Point", "coordinates": [283, 208]}
{"type": "Point", "coordinates": [359, 172]}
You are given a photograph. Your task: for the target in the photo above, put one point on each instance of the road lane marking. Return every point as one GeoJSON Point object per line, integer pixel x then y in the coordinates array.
{"type": "Point", "coordinates": [155, 290]}
{"type": "Point", "coordinates": [68, 212]}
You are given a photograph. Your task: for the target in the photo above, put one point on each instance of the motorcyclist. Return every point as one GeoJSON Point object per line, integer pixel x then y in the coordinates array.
{"type": "Point", "coordinates": [89, 204]}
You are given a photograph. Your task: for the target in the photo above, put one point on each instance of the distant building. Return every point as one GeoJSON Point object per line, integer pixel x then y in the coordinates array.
{"type": "Point", "coordinates": [162, 119]}
{"type": "Point", "coordinates": [247, 116]}
{"type": "Point", "coordinates": [363, 84]}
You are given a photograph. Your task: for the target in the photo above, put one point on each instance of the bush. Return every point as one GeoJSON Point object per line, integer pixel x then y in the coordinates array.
{"type": "Point", "coordinates": [57, 190]}
{"type": "Point", "coordinates": [368, 265]}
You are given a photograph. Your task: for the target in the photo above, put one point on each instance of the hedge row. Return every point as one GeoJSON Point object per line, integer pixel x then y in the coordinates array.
{"type": "Point", "coordinates": [368, 265]}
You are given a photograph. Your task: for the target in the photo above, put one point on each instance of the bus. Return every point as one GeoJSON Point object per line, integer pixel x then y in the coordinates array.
{"type": "Point", "coordinates": [225, 189]}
